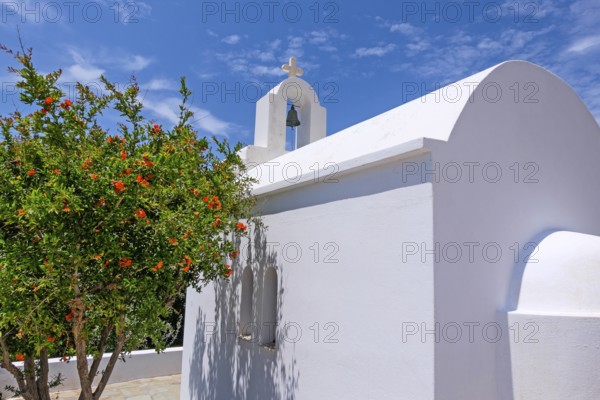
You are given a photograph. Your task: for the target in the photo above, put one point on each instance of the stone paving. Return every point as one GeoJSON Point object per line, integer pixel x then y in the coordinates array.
{"type": "Point", "coordinates": [161, 388]}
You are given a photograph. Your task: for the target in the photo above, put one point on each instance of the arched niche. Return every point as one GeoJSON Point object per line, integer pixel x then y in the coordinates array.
{"type": "Point", "coordinates": [269, 308]}
{"type": "Point", "coordinates": [246, 327]}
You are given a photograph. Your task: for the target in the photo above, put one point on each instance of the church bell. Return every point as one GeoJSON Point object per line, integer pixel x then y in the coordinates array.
{"type": "Point", "coordinates": [292, 118]}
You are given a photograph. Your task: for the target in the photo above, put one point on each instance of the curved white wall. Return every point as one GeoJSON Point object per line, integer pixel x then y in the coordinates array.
{"type": "Point", "coordinates": [560, 306]}
{"type": "Point", "coordinates": [545, 146]}
{"type": "Point", "coordinates": [564, 277]}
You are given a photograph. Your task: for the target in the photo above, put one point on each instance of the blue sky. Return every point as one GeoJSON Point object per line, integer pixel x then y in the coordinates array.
{"type": "Point", "coordinates": [361, 56]}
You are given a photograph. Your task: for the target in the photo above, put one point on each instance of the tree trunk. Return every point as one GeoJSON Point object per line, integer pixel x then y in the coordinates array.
{"type": "Point", "coordinates": [121, 339]}
{"type": "Point", "coordinates": [81, 350]}
{"type": "Point", "coordinates": [14, 371]}
{"type": "Point", "coordinates": [42, 381]}
{"type": "Point", "coordinates": [29, 373]}
{"type": "Point", "coordinates": [98, 359]}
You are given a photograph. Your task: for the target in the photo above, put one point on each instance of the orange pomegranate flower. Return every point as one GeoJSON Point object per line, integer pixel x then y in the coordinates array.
{"type": "Point", "coordinates": [57, 171]}
{"type": "Point", "coordinates": [155, 129]}
{"type": "Point", "coordinates": [234, 254]}
{"type": "Point", "coordinates": [241, 227]}
{"type": "Point", "coordinates": [20, 357]}
{"type": "Point", "coordinates": [70, 316]}
{"type": "Point", "coordinates": [51, 339]}
{"type": "Point", "coordinates": [140, 179]}
{"type": "Point", "coordinates": [125, 262]}
{"type": "Point", "coordinates": [147, 161]}
{"type": "Point", "coordinates": [140, 213]}
{"type": "Point", "coordinates": [87, 163]}
{"type": "Point", "coordinates": [195, 192]}
{"type": "Point", "coordinates": [173, 241]}
{"type": "Point", "coordinates": [49, 100]}
{"type": "Point", "coordinates": [215, 203]}
{"type": "Point", "coordinates": [128, 171]}
{"type": "Point", "coordinates": [123, 155]}
{"type": "Point", "coordinates": [109, 139]}
{"type": "Point", "coordinates": [119, 187]}
{"type": "Point", "coordinates": [66, 208]}
{"type": "Point", "coordinates": [21, 212]}
{"type": "Point", "coordinates": [31, 172]}
{"type": "Point", "coordinates": [157, 266]}
{"type": "Point", "coordinates": [228, 271]}
{"type": "Point", "coordinates": [217, 221]}
{"type": "Point", "coordinates": [93, 176]}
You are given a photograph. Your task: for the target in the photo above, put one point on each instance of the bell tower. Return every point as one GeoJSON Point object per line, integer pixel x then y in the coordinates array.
{"type": "Point", "coordinates": [272, 114]}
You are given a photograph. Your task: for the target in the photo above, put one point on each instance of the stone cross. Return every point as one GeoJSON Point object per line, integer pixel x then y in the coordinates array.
{"type": "Point", "coordinates": [291, 69]}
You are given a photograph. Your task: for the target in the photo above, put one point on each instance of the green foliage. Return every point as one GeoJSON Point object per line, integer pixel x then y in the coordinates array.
{"type": "Point", "coordinates": [102, 232]}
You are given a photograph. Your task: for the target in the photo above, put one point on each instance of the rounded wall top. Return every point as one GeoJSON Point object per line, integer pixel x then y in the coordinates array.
{"type": "Point", "coordinates": [563, 275]}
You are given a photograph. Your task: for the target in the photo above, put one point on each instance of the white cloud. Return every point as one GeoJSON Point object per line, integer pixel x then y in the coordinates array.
{"type": "Point", "coordinates": [232, 39]}
{"type": "Point", "coordinates": [81, 73]}
{"type": "Point", "coordinates": [328, 48]}
{"type": "Point", "coordinates": [168, 109]}
{"type": "Point", "coordinates": [160, 84]}
{"type": "Point", "coordinates": [295, 47]}
{"type": "Point", "coordinates": [405, 28]}
{"type": "Point", "coordinates": [274, 45]}
{"type": "Point", "coordinates": [133, 62]}
{"type": "Point", "coordinates": [585, 44]}
{"type": "Point", "coordinates": [378, 51]}
{"type": "Point", "coordinates": [262, 70]}
{"type": "Point", "coordinates": [318, 37]}
{"type": "Point", "coordinates": [489, 44]}
{"type": "Point", "coordinates": [418, 46]}
{"type": "Point", "coordinates": [83, 70]}
{"type": "Point", "coordinates": [264, 55]}
{"type": "Point", "coordinates": [325, 39]}
{"type": "Point", "coordinates": [296, 42]}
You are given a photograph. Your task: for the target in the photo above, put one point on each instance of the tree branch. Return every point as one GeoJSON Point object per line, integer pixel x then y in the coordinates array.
{"type": "Point", "coordinates": [101, 346]}
{"type": "Point", "coordinates": [29, 372]}
{"type": "Point", "coordinates": [42, 383]}
{"type": "Point", "coordinates": [81, 347]}
{"type": "Point", "coordinates": [10, 367]}
{"type": "Point", "coordinates": [121, 339]}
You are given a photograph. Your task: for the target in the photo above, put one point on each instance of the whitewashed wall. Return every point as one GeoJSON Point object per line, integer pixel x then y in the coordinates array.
{"type": "Point", "coordinates": [356, 350]}
{"type": "Point", "coordinates": [415, 321]}
{"type": "Point", "coordinates": [555, 141]}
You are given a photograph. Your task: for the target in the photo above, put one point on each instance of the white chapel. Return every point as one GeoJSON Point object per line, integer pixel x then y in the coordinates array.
{"type": "Point", "coordinates": [447, 249]}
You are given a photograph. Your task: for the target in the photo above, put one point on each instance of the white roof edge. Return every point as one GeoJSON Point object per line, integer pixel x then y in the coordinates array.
{"type": "Point", "coordinates": [402, 151]}
{"type": "Point", "coordinates": [424, 118]}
